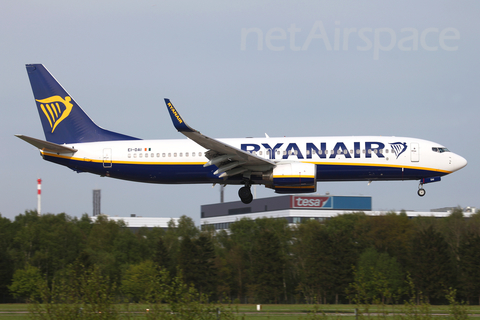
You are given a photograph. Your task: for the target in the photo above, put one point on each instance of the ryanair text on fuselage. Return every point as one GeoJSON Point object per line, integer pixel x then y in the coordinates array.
{"type": "Point", "coordinates": [321, 150]}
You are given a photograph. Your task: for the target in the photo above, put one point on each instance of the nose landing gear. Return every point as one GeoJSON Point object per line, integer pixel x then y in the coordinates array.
{"type": "Point", "coordinates": [421, 192]}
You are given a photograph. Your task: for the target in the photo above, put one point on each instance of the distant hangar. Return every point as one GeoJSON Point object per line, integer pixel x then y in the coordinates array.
{"type": "Point", "coordinates": [295, 209]}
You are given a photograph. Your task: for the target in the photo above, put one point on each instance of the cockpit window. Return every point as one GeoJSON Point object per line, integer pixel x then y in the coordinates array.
{"type": "Point", "coordinates": [440, 150]}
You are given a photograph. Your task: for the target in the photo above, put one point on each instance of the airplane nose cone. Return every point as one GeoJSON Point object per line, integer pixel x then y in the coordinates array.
{"type": "Point", "coordinates": [459, 162]}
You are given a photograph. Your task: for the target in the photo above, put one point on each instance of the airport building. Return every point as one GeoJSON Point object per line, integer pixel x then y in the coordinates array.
{"type": "Point", "coordinates": [134, 223]}
{"type": "Point", "coordinates": [293, 208]}
{"type": "Point", "coordinates": [298, 208]}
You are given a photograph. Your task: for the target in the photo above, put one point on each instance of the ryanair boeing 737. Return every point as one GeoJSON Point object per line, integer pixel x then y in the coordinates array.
{"type": "Point", "coordinates": [286, 165]}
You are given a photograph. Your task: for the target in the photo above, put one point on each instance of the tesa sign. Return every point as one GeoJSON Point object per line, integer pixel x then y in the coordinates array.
{"type": "Point", "coordinates": [308, 202]}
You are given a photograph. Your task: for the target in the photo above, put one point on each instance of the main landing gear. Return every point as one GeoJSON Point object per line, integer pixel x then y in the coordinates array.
{"type": "Point", "coordinates": [245, 194]}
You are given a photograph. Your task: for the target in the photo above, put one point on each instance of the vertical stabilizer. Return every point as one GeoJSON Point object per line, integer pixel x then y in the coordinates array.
{"type": "Point", "coordinates": [62, 118]}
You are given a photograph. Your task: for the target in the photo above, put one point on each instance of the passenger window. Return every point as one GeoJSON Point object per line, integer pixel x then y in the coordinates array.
{"type": "Point", "coordinates": [158, 155]}
{"type": "Point", "coordinates": [163, 155]}
{"type": "Point", "coordinates": [175, 154]}
{"type": "Point", "coordinates": [181, 154]}
{"type": "Point", "coordinates": [134, 155]}
{"type": "Point", "coordinates": [146, 155]}
{"type": "Point", "coordinates": [129, 155]}
{"type": "Point", "coordinates": [169, 155]}
{"type": "Point", "coordinates": [140, 155]}
{"type": "Point", "coordinates": [186, 154]}
{"type": "Point", "coordinates": [193, 154]}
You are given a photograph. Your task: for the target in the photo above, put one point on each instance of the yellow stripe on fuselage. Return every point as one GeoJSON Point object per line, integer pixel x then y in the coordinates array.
{"type": "Point", "coordinates": [377, 165]}
{"type": "Point", "coordinates": [295, 176]}
{"type": "Point", "coordinates": [121, 162]}
{"type": "Point", "coordinates": [203, 162]}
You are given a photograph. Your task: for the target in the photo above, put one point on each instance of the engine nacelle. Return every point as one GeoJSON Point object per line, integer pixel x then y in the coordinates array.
{"type": "Point", "coordinates": [293, 177]}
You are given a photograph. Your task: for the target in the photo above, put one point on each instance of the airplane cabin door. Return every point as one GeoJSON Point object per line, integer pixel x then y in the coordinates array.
{"type": "Point", "coordinates": [107, 158]}
{"type": "Point", "coordinates": [414, 152]}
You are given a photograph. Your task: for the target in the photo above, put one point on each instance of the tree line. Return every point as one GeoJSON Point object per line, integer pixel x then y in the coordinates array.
{"type": "Point", "coordinates": [384, 258]}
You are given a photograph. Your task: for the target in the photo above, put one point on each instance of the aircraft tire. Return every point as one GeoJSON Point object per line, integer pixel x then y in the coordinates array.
{"type": "Point", "coordinates": [245, 195]}
{"type": "Point", "coordinates": [421, 192]}
{"type": "Point", "coordinates": [247, 200]}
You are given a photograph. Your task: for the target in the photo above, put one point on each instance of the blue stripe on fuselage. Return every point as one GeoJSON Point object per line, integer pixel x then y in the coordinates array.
{"type": "Point", "coordinates": [196, 173]}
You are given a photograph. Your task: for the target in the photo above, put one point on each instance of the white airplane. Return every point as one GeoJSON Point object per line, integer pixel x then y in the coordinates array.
{"type": "Point", "coordinates": [286, 165]}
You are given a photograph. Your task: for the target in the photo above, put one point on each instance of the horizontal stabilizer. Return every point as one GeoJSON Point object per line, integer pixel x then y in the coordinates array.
{"type": "Point", "coordinates": [45, 145]}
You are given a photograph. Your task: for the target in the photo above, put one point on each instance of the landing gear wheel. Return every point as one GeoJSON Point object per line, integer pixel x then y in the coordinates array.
{"type": "Point", "coordinates": [421, 192]}
{"type": "Point", "coordinates": [245, 195]}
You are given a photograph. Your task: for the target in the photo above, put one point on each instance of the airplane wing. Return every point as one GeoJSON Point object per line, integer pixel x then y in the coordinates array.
{"type": "Point", "coordinates": [45, 145]}
{"type": "Point", "coordinates": [229, 160]}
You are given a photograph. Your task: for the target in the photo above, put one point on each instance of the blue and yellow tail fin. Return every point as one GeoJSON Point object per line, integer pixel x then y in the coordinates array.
{"type": "Point", "coordinates": [62, 118]}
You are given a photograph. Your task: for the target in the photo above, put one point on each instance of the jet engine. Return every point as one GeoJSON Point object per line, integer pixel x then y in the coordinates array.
{"type": "Point", "coordinates": [293, 177]}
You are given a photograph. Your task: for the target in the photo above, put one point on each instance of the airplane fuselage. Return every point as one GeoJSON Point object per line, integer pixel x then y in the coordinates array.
{"type": "Point", "coordinates": [336, 158]}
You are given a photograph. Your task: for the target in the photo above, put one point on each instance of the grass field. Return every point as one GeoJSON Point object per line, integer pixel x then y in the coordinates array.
{"type": "Point", "coordinates": [280, 311]}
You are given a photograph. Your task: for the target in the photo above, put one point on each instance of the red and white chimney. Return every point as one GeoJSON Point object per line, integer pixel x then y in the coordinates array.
{"type": "Point", "coordinates": [39, 195]}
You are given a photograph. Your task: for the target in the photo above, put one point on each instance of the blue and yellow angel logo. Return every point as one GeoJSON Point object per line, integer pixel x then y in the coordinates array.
{"type": "Point", "coordinates": [399, 148]}
{"type": "Point", "coordinates": [56, 109]}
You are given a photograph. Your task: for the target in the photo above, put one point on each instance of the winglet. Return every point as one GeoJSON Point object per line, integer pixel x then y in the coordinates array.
{"type": "Point", "coordinates": [178, 122]}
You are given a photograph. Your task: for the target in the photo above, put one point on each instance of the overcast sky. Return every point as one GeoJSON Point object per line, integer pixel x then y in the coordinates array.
{"type": "Point", "coordinates": [241, 69]}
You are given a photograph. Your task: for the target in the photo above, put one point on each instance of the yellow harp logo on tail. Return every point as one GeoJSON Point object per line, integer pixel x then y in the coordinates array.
{"type": "Point", "coordinates": [56, 109]}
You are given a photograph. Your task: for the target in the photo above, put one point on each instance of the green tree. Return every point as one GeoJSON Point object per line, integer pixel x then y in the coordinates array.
{"type": "Point", "coordinates": [25, 283]}
{"type": "Point", "coordinates": [7, 233]}
{"type": "Point", "coordinates": [161, 256]}
{"type": "Point", "coordinates": [187, 261]}
{"type": "Point", "coordinates": [239, 245]}
{"type": "Point", "coordinates": [345, 248]}
{"type": "Point", "coordinates": [77, 292]}
{"type": "Point", "coordinates": [383, 273]}
{"type": "Point", "coordinates": [186, 228]}
{"type": "Point", "coordinates": [206, 268]}
{"type": "Point", "coordinates": [137, 279]}
{"type": "Point", "coordinates": [313, 253]}
{"type": "Point", "coordinates": [267, 268]}
{"type": "Point", "coordinates": [430, 263]}
{"type": "Point", "coordinates": [49, 242]}
{"type": "Point", "coordinates": [453, 229]}
{"type": "Point", "coordinates": [390, 233]}
{"type": "Point", "coordinates": [469, 262]}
